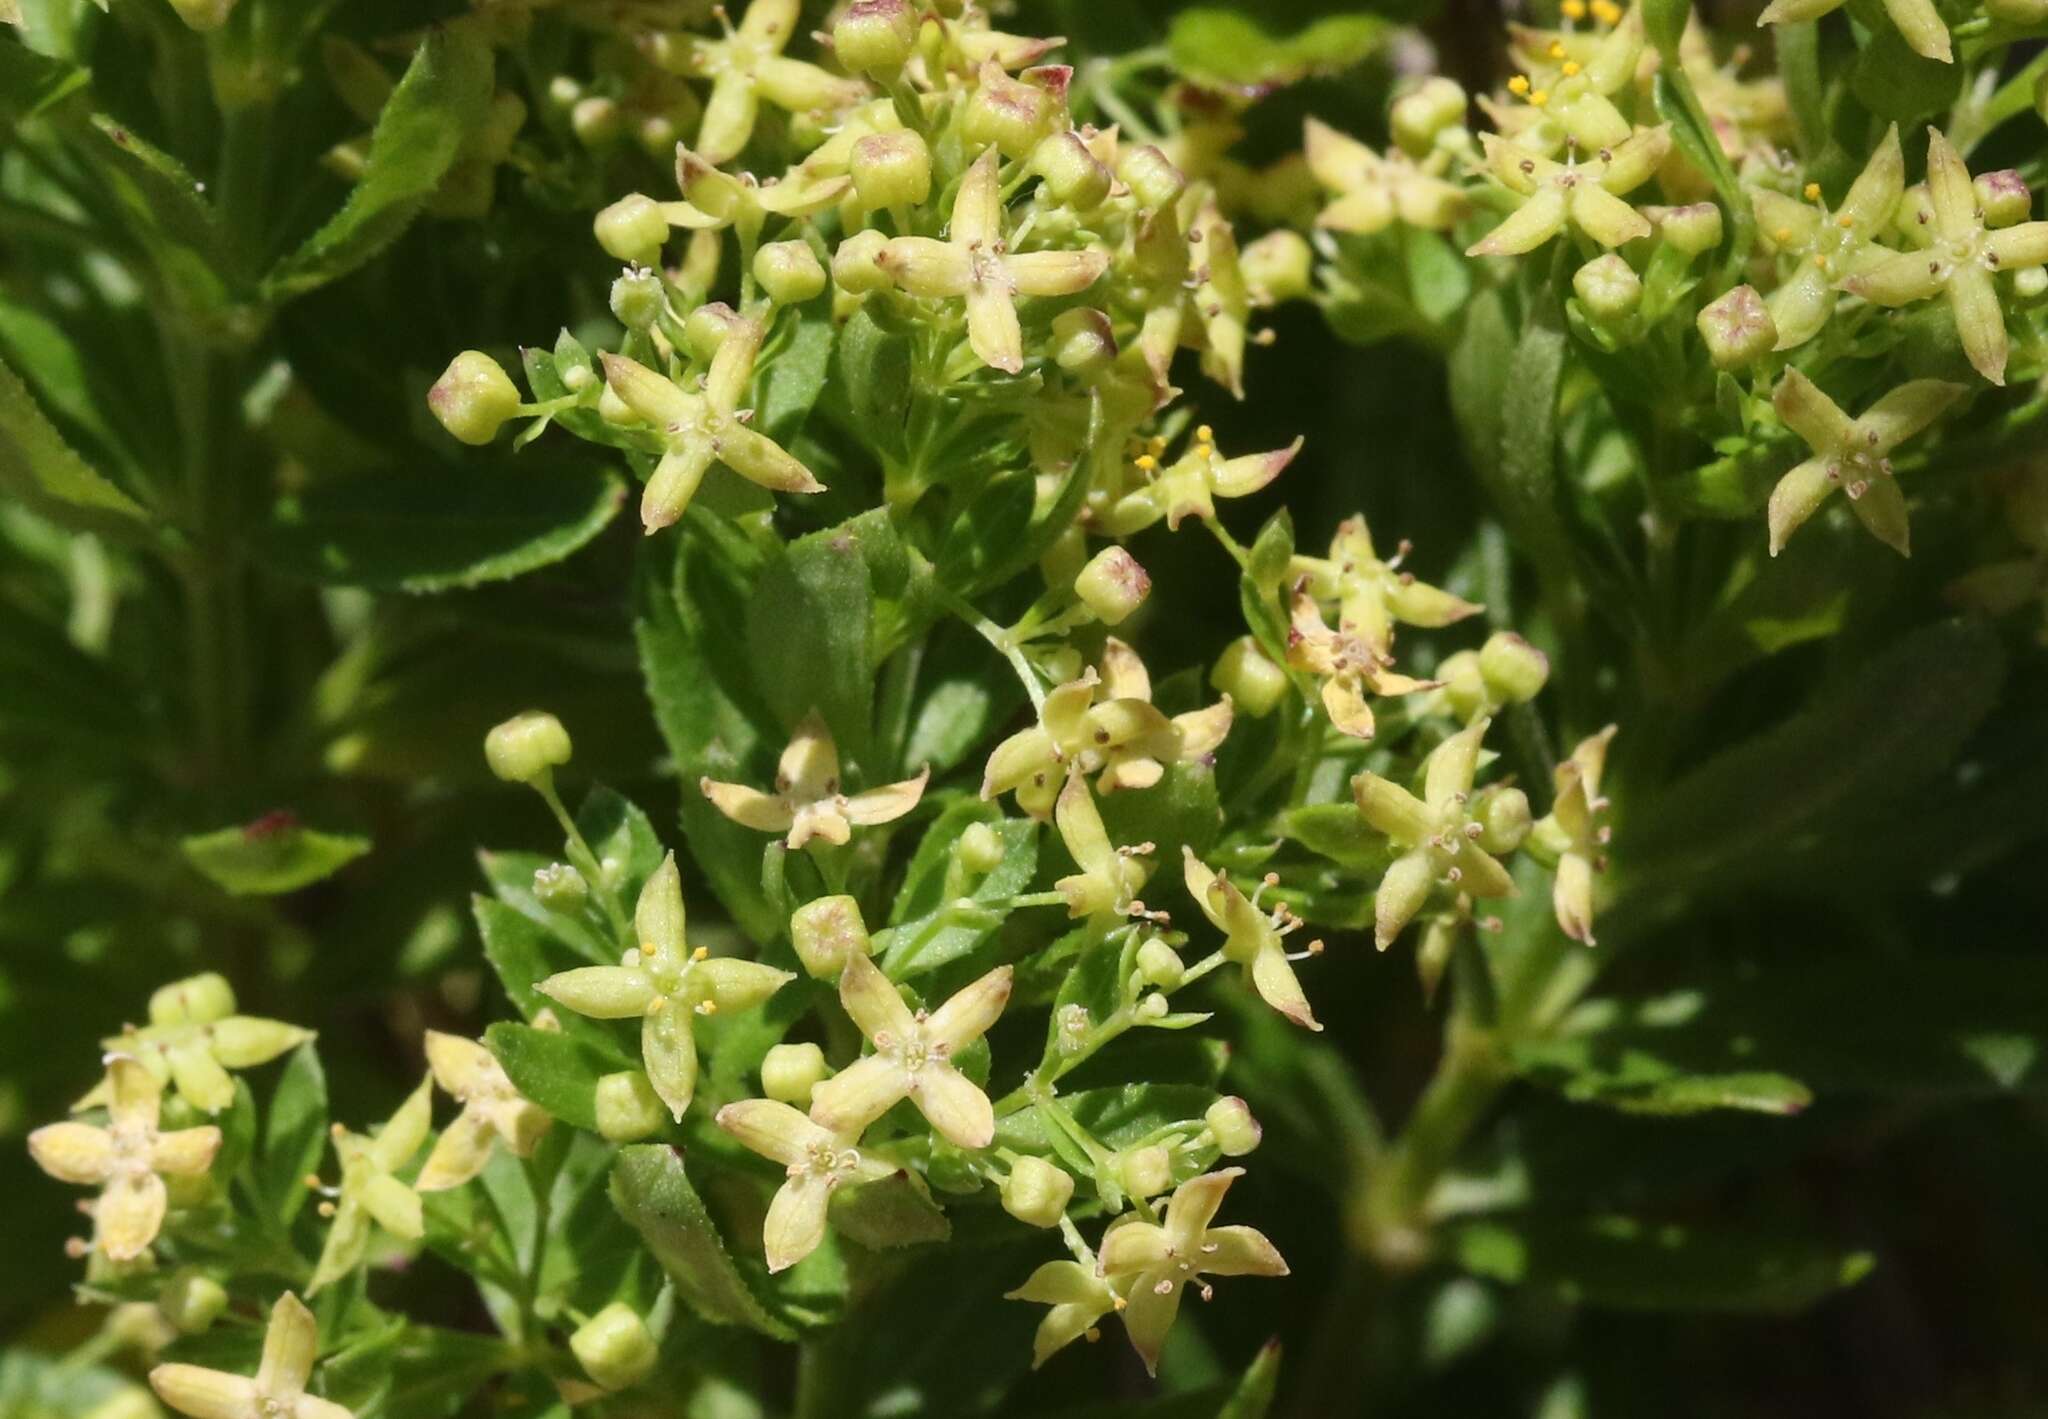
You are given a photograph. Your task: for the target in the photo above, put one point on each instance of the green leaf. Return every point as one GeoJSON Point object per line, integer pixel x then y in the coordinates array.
{"type": "Point", "coordinates": [32, 83]}
{"type": "Point", "coordinates": [893, 1212]}
{"type": "Point", "coordinates": [1894, 82]}
{"type": "Point", "coordinates": [795, 379]}
{"type": "Point", "coordinates": [38, 1386]}
{"type": "Point", "coordinates": [929, 925]}
{"type": "Point", "coordinates": [1798, 47]}
{"type": "Point", "coordinates": [444, 95]}
{"type": "Point", "coordinates": [807, 634]}
{"type": "Point", "coordinates": [440, 529]}
{"type": "Point", "coordinates": [40, 468]}
{"type": "Point", "coordinates": [51, 686]}
{"type": "Point", "coordinates": [1597, 1070]}
{"type": "Point", "coordinates": [1226, 49]}
{"type": "Point", "coordinates": [1523, 480]}
{"type": "Point", "coordinates": [165, 189]}
{"type": "Point", "coordinates": [654, 1194]}
{"type": "Point", "coordinates": [1629, 1264]}
{"type": "Point", "coordinates": [1179, 811]}
{"type": "Point", "coordinates": [294, 1132]}
{"type": "Point", "coordinates": [555, 1070]}
{"type": "Point", "coordinates": [874, 382]}
{"type": "Point", "coordinates": [271, 855]}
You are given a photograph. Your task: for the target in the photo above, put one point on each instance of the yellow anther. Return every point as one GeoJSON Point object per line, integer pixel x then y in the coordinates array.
{"type": "Point", "coordinates": [1539, 98]}
{"type": "Point", "coordinates": [700, 953]}
{"type": "Point", "coordinates": [708, 1007]}
{"type": "Point", "coordinates": [1205, 434]}
{"type": "Point", "coordinates": [1813, 192]}
{"type": "Point", "coordinates": [647, 948]}
{"type": "Point", "coordinates": [312, 1181]}
{"type": "Point", "coordinates": [1573, 9]}
{"type": "Point", "coordinates": [1606, 12]}
{"type": "Point", "coordinates": [1156, 444]}
{"type": "Point", "coordinates": [1845, 221]}
{"type": "Point", "coordinates": [1820, 261]}
{"type": "Point", "coordinates": [1519, 84]}
{"type": "Point", "coordinates": [1119, 1302]}
{"type": "Point", "coordinates": [326, 1209]}
{"type": "Point", "coordinates": [1782, 234]}
{"type": "Point", "coordinates": [1146, 463]}
{"type": "Point", "coordinates": [660, 1002]}
{"type": "Point", "coordinates": [1557, 49]}
{"type": "Point", "coordinates": [1571, 67]}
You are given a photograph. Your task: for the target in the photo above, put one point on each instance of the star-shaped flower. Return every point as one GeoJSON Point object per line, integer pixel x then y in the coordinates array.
{"type": "Point", "coordinates": [1078, 1297]}
{"type": "Point", "coordinates": [1075, 728]}
{"type": "Point", "coordinates": [913, 1057]}
{"type": "Point", "coordinates": [807, 802]}
{"type": "Point", "coordinates": [664, 983]}
{"type": "Point", "coordinates": [704, 426]}
{"type": "Point", "coordinates": [1252, 937]}
{"type": "Point", "coordinates": [746, 65]}
{"type": "Point", "coordinates": [1189, 486]}
{"type": "Point", "coordinates": [290, 1346]}
{"type": "Point", "coordinates": [1851, 454]}
{"type": "Point", "coordinates": [819, 1162]}
{"type": "Point", "coordinates": [1918, 22]}
{"type": "Point", "coordinates": [1578, 194]}
{"type": "Point", "coordinates": [1573, 836]}
{"type": "Point", "coordinates": [1373, 594]}
{"type": "Point", "coordinates": [471, 1074]}
{"type": "Point", "coordinates": [1828, 246]}
{"type": "Point", "coordinates": [126, 1160]}
{"type": "Point", "coordinates": [194, 1037]}
{"type": "Point", "coordinates": [1152, 1264]}
{"type": "Point", "coordinates": [1350, 660]}
{"type": "Point", "coordinates": [974, 264]}
{"type": "Point", "coordinates": [1572, 77]}
{"type": "Point", "coordinates": [1221, 297]}
{"type": "Point", "coordinates": [1962, 260]}
{"type": "Point", "coordinates": [1438, 837]}
{"type": "Point", "coordinates": [1130, 763]}
{"type": "Point", "coordinates": [1372, 192]}
{"type": "Point", "coordinates": [1110, 876]}
{"type": "Point", "coordinates": [370, 1190]}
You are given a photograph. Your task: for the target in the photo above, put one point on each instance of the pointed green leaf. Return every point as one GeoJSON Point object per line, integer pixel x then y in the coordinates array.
{"type": "Point", "coordinates": [654, 1194]}
{"type": "Point", "coordinates": [271, 855]}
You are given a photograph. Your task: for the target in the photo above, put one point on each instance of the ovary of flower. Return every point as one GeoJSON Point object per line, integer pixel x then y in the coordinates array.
{"type": "Point", "coordinates": [1573, 835]}
{"type": "Point", "coordinates": [1962, 260]}
{"type": "Point", "coordinates": [913, 1057]}
{"type": "Point", "coordinates": [1351, 661]}
{"type": "Point", "coordinates": [1851, 454]}
{"type": "Point", "coordinates": [1076, 729]}
{"type": "Point", "coordinates": [194, 1038]}
{"type": "Point", "coordinates": [704, 426]}
{"type": "Point", "coordinates": [1189, 486]}
{"type": "Point", "coordinates": [1438, 839]}
{"type": "Point", "coordinates": [1110, 876]}
{"type": "Point", "coordinates": [746, 65]}
{"type": "Point", "coordinates": [819, 1162]}
{"type": "Point", "coordinates": [290, 1346]}
{"type": "Point", "coordinates": [1372, 192]}
{"type": "Point", "coordinates": [1918, 22]}
{"type": "Point", "coordinates": [974, 264]}
{"type": "Point", "coordinates": [1078, 1297]}
{"type": "Point", "coordinates": [663, 983]}
{"type": "Point", "coordinates": [127, 1160]}
{"type": "Point", "coordinates": [1151, 1264]}
{"type": "Point", "coordinates": [370, 1189]}
{"type": "Point", "coordinates": [1253, 937]}
{"type": "Point", "coordinates": [1374, 594]}
{"type": "Point", "coordinates": [1131, 762]}
{"type": "Point", "coordinates": [1585, 194]}
{"type": "Point", "coordinates": [807, 802]}
{"type": "Point", "coordinates": [1827, 246]}
{"type": "Point", "coordinates": [491, 1107]}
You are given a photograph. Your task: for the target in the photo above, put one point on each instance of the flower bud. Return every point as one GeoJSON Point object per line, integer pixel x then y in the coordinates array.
{"type": "Point", "coordinates": [596, 121]}
{"type": "Point", "coordinates": [473, 397]}
{"type": "Point", "coordinates": [614, 1347]}
{"type": "Point", "coordinates": [2030, 282]}
{"type": "Point", "coordinates": [192, 1300]}
{"type": "Point", "coordinates": [1244, 671]}
{"type": "Point", "coordinates": [1146, 1172]}
{"type": "Point", "coordinates": [1464, 687]}
{"type": "Point", "coordinates": [1074, 177]}
{"type": "Point", "coordinates": [1082, 343]}
{"type": "Point", "coordinates": [564, 91]}
{"type": "Point", "coordinates": [826, 933]}
{"type": "Point", "coordinates": [1152, 1006]}
{"type": "Point", "coordinates": [1235, 1130]}
{"type": "Point", "coordinates": [891, 170]}
{"type": "Point", "coordinates": [1426, 110]}
{"type": "Point", "coordinates": [789, 272]}
{"type": "Point", "coordinates": [854, 267]}
{"type": "Point", "coordinates": [1608, 287]}
{"type": "Point", "coordinates": [1036, 1192]}
{"type": "Point", "coordinates": [1504, 818]}
{"type": "Point", "coordinates": [790, 1072]}
{"type": "Point", "coordinates": [195, 1000]}
{"type": "Point", "coordinates": [560, 888]}
{"type": "Point", "coordinates": [980, 848]}
{"type": "Point", "coordinates": [1151, 177]}
{"type": "Point", "coordinates": [632, 230]}
{"type": "Point", "coordinates": [656, 135]}
{"type": "Point", "coordinates": [1514, 670]}
{"type": "Point", "coordinates": [1003, 112]}
{"type": "Point", "coordinates": [1112, 585]}
{"type": "Point", "coordinates": [2003, 197]}
{"type": "Point", "coordinates": [1279, 266]}
{"type": "Point", "coordinates": [1160, 964]}
{"type": "Point", "coordinates": [139, 1325]}
{"type": "Point", "coordinates": [627, 1107]}
{"type": "Point", "coordinates": [705, 328]}
{"type": "Point", "coordinates": [637, 298]}
{"type": "Point", "coordinates": [526, 747]}
{"type": "Point", "coordinates": [1692, 229]}
{"type": "Point", "coordinates": [875, 36]}
{"type": "Point", "coordinates": [1737, 329]}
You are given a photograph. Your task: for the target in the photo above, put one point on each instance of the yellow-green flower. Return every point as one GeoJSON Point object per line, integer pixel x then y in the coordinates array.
{"type": "Point", "coordinates": [746, 65]}
{"type": "Point", "coordinates": [1372, 594]}
{"type": "Point", "coordinates": [290, 1346]}
{"type": "Point", "coordinates": [1078, 1297]}
{"type": "Point", "coordinates": [1131, 763]}
{"type": "Point", "coordinates": [1573, 837]}
{"type": "Point", "coordinates": [1110, 876]}
{"type": "Point", "coordinates": [1437, 834]}
{"type": "Point", "coordinates": [808, 801]}
{"type": "Point", "coordinates": [194, 1037]}
{"type": "Point", "coordinates": [1585, 194]}
{"type": "Point", "coordinates": [1253, 937]}
{"type": "Point", "coordinates": [371, 1192]}
{"type": "Point", "coordinates": [1371, 192]}
{"type": "Point", "coordinates": [1826, 246]}
{"type": "Point", "coordinates": [819, 1162]}
{"type": "Point", "coordinates": [1571, 80]}
{"type": "Point", "coordinates": [1078, 728]}
{"type": "Point", "coordinates": [1351, 661]}
{"type": "Point", "coordinates": [1917, 21]}
{"type": "Point", "coordinates": [1189, 486]}
{"type": "Point", "coordinates": [491, 1107]}
{"type": "Point", "coordinates": [1853, 455]}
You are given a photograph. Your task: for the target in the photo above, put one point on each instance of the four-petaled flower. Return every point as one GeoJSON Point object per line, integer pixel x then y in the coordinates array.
{"type": "Point", "coordinates": [194, 1037]}
{"type": "Point", "coordinates": [1438, 837]}
{"type": "Point", "coordinates": [704, 426]}
{"type": "Point", "coordinates": [975, 264]}
{"type": "Point", "coordinates": [1189, 486]}
{"type": "Point", "coordinates": [290, 1346]}
{"type": "Point", "coordinates": [1572, 193]}
{"type": "Point", "coordinates": [126, 1160]}
{"type": "Point", "coordinates": [370, 1189]}
{"type": "Point", "coordinates": [1573, 836]}
{"type": "Point", "coordinates": [1078, 1297]}
{"type": "Point", "coordinates": [818, 1160]}
{"type": "Point", "coordinates": [747, 65]}
{"type": "Point", "coordinates": [913, 1057]}
{"type": "Point", "coordinates": [491, 1107]}
{"type": "Point", "coordinates": [1918, 22]}
{"type": "Point", "coordinates": [1372, 192]}
{"type": "Point", "coordinates": [1130, 763]}
{"type": "Point", "coordinates": [807, 802]}
{"type": "Point", "coordinates": [1253, 937]}
{"type": "Point", "coordinates": [1348, 660]}
{"type": "Point", "coordinates": [1571, 79]}
{"type": "Point", "coordinates": [663, 983]}
{"type": "Point", "coordinates": [1372, 594]}
{"type": "Point", "coordinates": [1964, 257]}
{"type": "Point", "coordinates": [1110, 876]}
{"type": "Point", "coordinates": [1075, 729]}
{"type": "Point", "coordinates": [1851, 454]}
{"type": "Point", "coordinates": [1152, 1263]}
{"type": "Point", "coordinates": [1825, 246]}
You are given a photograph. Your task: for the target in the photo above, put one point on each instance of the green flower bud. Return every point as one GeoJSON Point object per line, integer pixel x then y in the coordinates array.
{"type": "Point", "coordinates": [564, 92]}
{"type": "Point", "coordinates": [139, 1325]}
{"type": "Point", "coordinates": [1146, 1172]}
{"type": "Point", "coordinates": [656, 135]}
{"type": "Point", "coordinates": [789, 272]}
{"type": "Point", "coordinates": [195, 1000]}
{"type": "Point", "coordinates": [2003, 197]}
{"type": "Point", "coordinates": [1074, 177]}
{"type": "Point", "coordinates": [1504, 818]}
{"type": "Point", "coordinates": [1515, 671]}
{"type": "Point", "coordinates": [192, 1300]}
{"type": "Point", "coordinates": [1036, 1192]}
{"type": "Point", "coordinates": [473, 397]}
{"type": "Point", "coordinates": [790, 1072]}
{"type": "Point", "coordinates": [1151, 177]}
{"type": "Point", "coordinates": [560, 888]}
{"type": "Point", "coordinates": [614, 1347]}
{"type": "Point", "coordinates": [1231, 1123]}
{"type": "Point", "coordinates": [1004, 113]}
{"type": "Point", "coordinates": [2030, 282]}
{"type": "Point", "coordinates": [1112, 585]}
{"type": "Point", "coordinates": [826, 932]}
{"type": "Point", "coordinates": [596, 122]}
{"type": "Point", "coordinates": [1160, 964]}
{"type": "Point", "coordinates": [1244, 671]}
{"type": "Point", "coordinates": [1608, 287]}
{"type": "Point", "coordinates": [637, 298]}
{"type": "Point", "coordinates": [854, 268]}
{"type": "Point", "coordinates": [1464, 686]}
{"type": "Point", "coordinates": [705, 329]}
{"type": "Point", "coordinates": [627, 1107]}
{"type": "Point", "coordinates": [527, 747]}
{"type": "Point", "coordinates": [1426, 110]}
{"type": "Point", "coordinates": [891, 170]}
{"type": "Point", "coordinates": [875, 36]}
{"type": "Point", "coordinates": [1279, 266]}
{"type": "Point", "coordinates": [1691, 229]}
{"type": "Point", "coordinates": [632, 230]}
{"type": "Point", "coordinates": [1737, 329]}
{"type": "Point", "coordinates": [1082, 342]}
{"type": "Point", "coordinates": [980, 848]}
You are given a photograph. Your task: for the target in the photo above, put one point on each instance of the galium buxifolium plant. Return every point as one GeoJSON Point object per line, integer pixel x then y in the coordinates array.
{"type": "Point", "coordinates": [1000, 880]}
